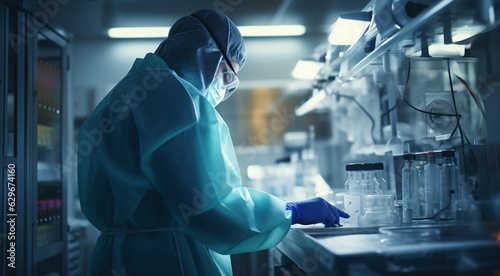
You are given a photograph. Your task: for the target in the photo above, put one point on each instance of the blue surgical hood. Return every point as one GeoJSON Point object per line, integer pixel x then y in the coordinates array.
{"type": "Point", "coordinates": [191, 51]}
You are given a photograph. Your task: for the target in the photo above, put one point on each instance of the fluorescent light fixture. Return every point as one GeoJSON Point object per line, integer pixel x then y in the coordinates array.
{"type": "Point", "coordinates": [347, 31]}
{"type": "Point", "coordinates": [448, 50]}
{"type": "Point", "coordinates": [247, 31]}
{"type": "Point", "coordinates": [138, 32]}
{"type": "Point", "coordinates": [306, 69]}
{"type": "Point", "coordinates": [467, 32]}
{"type": "Point", "coordinates": [311, 104]}
{"type": "Point", "coordinates": [256, 172]}
{"type": "Point", "coordinates": [272, 30]}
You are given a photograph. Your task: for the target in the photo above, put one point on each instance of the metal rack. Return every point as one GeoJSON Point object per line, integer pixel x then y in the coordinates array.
{"type": "Point", "coordinates": [356, 53]}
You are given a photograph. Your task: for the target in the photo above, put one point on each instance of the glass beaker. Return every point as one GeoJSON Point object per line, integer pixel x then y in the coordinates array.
{"type": "Point", "coordinates": [377, 210]}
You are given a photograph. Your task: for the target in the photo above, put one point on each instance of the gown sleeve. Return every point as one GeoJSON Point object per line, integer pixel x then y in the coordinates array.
{"type": "Point", "coordinates": [188, 157]}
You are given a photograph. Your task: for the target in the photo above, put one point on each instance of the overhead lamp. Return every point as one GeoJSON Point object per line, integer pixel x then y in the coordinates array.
{"type": "Point", "coordinates": [306, 69]}
{"type": "Point", "coordinates": [446, 50]}
{"type": "Point", "coordinates": [272, 30]}
{"type": "Point", "coordinates": [466, 32]}
{"type": "Point", "coordinates": [246, 31]}
{"type": "Point", "coordinates": [138, 32]}
{"type": "Point", "coordinates": [347, 31]}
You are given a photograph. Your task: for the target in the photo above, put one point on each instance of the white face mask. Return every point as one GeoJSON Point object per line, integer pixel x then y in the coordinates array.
{"type": "Point", "coordinates": [215, 92]}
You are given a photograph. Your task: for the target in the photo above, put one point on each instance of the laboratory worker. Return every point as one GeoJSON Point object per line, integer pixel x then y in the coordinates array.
{"type": "Point", "coordinates": [157, 172]}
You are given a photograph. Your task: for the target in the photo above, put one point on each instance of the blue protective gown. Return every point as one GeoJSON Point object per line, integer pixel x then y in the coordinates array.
{"type": "Point", "coordinates": [159, 177]}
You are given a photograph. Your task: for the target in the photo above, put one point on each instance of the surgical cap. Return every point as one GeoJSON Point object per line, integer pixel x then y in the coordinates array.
{"type": "Point", "coordinates": [192, 52]}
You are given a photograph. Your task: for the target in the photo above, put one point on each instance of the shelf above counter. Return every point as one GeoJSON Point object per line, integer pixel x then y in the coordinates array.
{"type": "Point", "coordinates": [355, 59]}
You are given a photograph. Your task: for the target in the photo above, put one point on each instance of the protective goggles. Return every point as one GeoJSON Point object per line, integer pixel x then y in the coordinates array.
{"type": "Point", "coordinates": [230, 80]}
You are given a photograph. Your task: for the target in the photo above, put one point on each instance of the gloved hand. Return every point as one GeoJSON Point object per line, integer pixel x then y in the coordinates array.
{"type": "Point", "coordinates": [315, 210]}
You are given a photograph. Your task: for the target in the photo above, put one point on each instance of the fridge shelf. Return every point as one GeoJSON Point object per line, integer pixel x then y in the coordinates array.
{"type": "Point", "coordinates": [48, 172]}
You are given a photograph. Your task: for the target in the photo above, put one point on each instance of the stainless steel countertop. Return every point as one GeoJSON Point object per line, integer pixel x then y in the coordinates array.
{"type": "Point", "coordinates": [350, 250]}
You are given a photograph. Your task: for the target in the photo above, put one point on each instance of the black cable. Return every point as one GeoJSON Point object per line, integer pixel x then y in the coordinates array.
{"type": "Point", "coordinates": [390, 109]}
{"type": "Point", "coordinates": [462, 135]}
{"type": "Point", "coordinates": [440, 211]}
{"type": "Point", "coordinates": [428, 112]}
{"type": "Point", "coordinates": [459, 126]}
{"type": "Point", "coordinates": [458, 116]}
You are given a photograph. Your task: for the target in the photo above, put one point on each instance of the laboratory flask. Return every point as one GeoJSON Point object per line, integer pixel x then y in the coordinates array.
{"type": "Point", "coordinates": [449, 178]}
{"type": "Point", "coordinates": [377, 210]}
{"type": "Point", "coordinates": [431, 184]}
{"type": "Point", "coordinates": [409, 188]}
{"type": "Point", "coordinates": [352, 200]}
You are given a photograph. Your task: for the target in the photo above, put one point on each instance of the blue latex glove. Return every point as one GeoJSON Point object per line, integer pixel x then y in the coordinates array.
{"type": "Point", "coordinates": [315, 210]}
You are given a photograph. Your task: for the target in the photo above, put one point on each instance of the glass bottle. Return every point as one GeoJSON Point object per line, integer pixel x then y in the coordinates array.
{"type": "Point", "coordinates": [368, 182]}
{"type": "Point", "coordinates": [350, 176]}
{"type": "Point", "coordinates": [353, 187]}
{"type": "Point", "coordinates": [409, 188]}
{"type": "Point", "coordinates": [381, 187]}
{"type": "Point", "coordinates": [352, 200]}
{"type": "Point", "coordinates": [431, 182]}
{"type": "Point", "coordinates": [419, 164]}
{"type": "Point", "coordinates": [378, 210]}
{"type": "Point", "coordinates": [449, 178]}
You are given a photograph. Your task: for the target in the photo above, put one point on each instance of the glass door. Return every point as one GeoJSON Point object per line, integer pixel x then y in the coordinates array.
{"type": "Point", "coordinates": [49, 140]}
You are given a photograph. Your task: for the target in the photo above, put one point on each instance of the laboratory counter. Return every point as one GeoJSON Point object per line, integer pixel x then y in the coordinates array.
{"type": "Point", "coordinates": [416, 249]}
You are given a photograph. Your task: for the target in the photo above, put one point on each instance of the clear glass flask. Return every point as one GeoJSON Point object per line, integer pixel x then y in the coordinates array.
{"type": "Point", "coordinates": [431, 182]}
{"type": "Point", "coordinates": [449, 178]}
{"type": "Point", "coordinates": [378, 210]}
{"type": "Point", "coordinates": [409, 189]}
{"type": "Point", "coordinates": [381, 187]}
{"type": "Point", "coordinates": [419, 164]}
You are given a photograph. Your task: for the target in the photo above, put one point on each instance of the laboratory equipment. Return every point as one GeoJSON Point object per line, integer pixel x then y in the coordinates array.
{"type": "Point", "coordinates": [431, 184]}
{"type": "Point", "coordinates": [409, 235]}
{"type": "Point", "coordinates": [381, 184]}
{"type": "Point", "coordinates": [409, 188]}
{"type": "Point", "coordinates": [366, 179]}
{"type": "Point", "coordinates": [419, 163]}
{"type": "Point", "coordinates": [377, 210]}
{"type": "Point", "coordinates": [423, 57]}
{"type": "Point", "coordinates": [448, 173]}
{"type": "Point", "coordinates": [352, 199]}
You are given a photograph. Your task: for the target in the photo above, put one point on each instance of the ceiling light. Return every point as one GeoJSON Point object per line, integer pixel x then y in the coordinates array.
{"type": "Point", "coordinates": [272, 30]}
{"type": "Point", "coordinates": [138, 32]}
{"type": "Point", "coordinates": [306, 69]}
{"type": "Point", "coordinates": [347, 31]}
{"type": "Point", "coordinates": [446, 50]}
{"type": "Point", "coordinates": [246, 31]}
